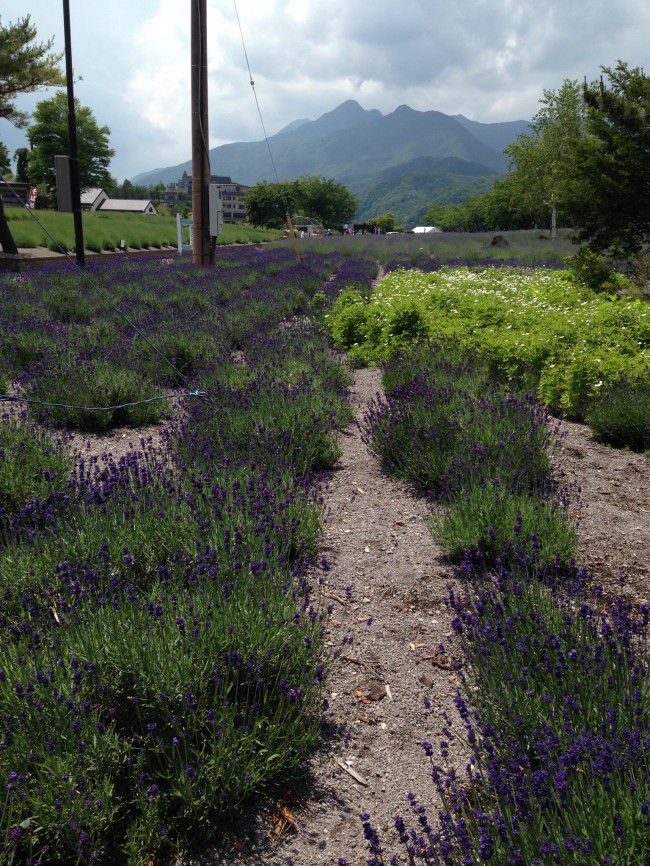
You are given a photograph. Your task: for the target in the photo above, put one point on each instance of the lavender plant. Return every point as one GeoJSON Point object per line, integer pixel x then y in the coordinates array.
{"type": "Point", "coordinates": [557, 726]}
{"type": "Point", "coordinates": [451, 429]}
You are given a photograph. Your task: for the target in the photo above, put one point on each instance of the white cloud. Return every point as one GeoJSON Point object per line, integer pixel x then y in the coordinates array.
{"type": "Point", "coordinates": [488, 59]}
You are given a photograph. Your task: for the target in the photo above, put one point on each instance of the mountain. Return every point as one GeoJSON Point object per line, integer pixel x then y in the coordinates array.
{"type": "Point", "coordinates": [358, 146]}
{"type": "Point", "coordinates": [411, 189]}
{"type": "Point", "coordinates": [495, 135]}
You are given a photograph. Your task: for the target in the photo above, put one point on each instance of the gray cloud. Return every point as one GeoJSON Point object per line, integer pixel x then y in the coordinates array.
{"type": "Point", "coordinates": [489, 59]}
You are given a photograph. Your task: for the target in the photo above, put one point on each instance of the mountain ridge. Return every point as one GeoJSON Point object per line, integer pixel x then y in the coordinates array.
{"type": "Point", "coordinates": [356, 146]}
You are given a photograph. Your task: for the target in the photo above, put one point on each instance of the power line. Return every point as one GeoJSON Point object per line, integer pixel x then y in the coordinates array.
{"type": "Point", "coordinates": [257, 102]}
{"type": "Point", "coordinates": [266, 138]}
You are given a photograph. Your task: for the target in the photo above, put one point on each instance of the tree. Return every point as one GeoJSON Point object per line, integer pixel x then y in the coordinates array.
{"type": "Point", "coordinates": [386, 223]}
{"type": "Point", "coordinates": [20, 158]}
{"type": "Point", "coordinates": [48, 136]}
{"type": "Point", "coordinates": [543, 161]}
{"type": "Point", "coordinates": [267, 204]}
{"type": "Point", "coordinates": [25, 66]}
{"type": "Point", "coordinates": [611, 185]}
{"type": "Point", "coordinates": [326, 200]}
{"type": "Point", "coordinates": [320, 198]}
{"type": "Point", "coordinates": [5, 164]}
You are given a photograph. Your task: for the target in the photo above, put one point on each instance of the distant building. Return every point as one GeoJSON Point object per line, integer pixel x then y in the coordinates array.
{"type": "Point", "coordinates": [128, 205]}
{"type": "Point", "coordinates": [8, 193]}
{"type": "Point", "coordinates": [424, 230]}
{"type": "Point", "coordinates": [92, 199]}
{"type": "Point", "coordinates": [232, 195]}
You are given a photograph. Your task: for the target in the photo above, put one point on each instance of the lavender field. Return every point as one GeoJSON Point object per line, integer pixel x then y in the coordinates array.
{"type": "Point", "coordinates": [165, 642]}
{"type": "Point", "coordinates": [161, 652]}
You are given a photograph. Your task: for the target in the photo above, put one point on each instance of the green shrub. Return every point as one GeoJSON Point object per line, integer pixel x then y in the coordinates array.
{"type": "Point", "coordinates": [32, 465]}
{"type": "Point", "coordinates": [621, 416]}
{"type": "Point", "coordinates": [590, 270]}
{"type": "Point", "coordinates": [539, 329]}
{"type": "Point", "coordinates": [98, 385]}
{"type": "Point", "coordinates": [67, 304]}
{"type": "Point", "coordinates": [486, 516]}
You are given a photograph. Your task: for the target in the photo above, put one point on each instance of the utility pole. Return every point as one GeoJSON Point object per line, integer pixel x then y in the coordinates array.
{"type": "Point", "coordinates": [201, 246]}
{"type": "Point", "coordinates": [75, 191]}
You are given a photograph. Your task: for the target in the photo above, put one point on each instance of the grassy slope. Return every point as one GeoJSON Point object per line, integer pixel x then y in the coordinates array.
{"type": "Point", "coordinates": [105, 231]}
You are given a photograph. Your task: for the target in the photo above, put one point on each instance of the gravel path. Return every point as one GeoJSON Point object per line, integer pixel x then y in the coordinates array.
{"type": "Point", "coordinates": [383, 557]}
{"type": "Point", "coordinates": [614, 509]}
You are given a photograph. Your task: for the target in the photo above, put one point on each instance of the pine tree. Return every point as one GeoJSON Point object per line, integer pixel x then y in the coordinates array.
{"type": "Point", "coordinates": [611, 188]}
{"type": "Point", "coordinates": [25, 66]}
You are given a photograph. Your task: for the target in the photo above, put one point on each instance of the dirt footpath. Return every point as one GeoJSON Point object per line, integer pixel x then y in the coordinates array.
{"type": "Point", "coordinates": [613, 514]}
{"type": "Point", "coordinates": [387, 584]}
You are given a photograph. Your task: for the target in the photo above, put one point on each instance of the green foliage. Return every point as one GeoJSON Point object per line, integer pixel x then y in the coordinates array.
{"type": "Point", "coordinates": [20, 157]}
{"type": "Point", "coordinates": [104, 231]}
{"type": "Point", "coordinates": [387, 223]}
{"type": "Point", "coordinates": [320, 198]}
{"type": "Point", "coordinates": [48, 136]}
{"type": "Point", "coordinates": [25, 65]}
{"type": "Point", "coordinates": [620, 416]}
{"type": "Point", "coordinates": [611, 188]}
{"type": "Point", "coordinates": [97, 385]}
{"type": "Point", "coordinates": [591, 270]}
{"type": "Point", "coordinates": [486, 516]}
{"type": "Point", "coordinates": [539, 327]}
{"type": "Point", "coordinates": [5, 162]}
{"type": "Point", "coordinates": [32, 465]}
{"type": "Point", "coordinates": [458, 435]}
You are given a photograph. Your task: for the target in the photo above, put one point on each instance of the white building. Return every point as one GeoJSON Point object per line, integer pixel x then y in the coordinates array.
{"type": "Point", "coordinates": [128, 205]}
{"type": "Point", "coordinates": [424, 230]}
{"type": "Point", "coordinates": [92, 199]}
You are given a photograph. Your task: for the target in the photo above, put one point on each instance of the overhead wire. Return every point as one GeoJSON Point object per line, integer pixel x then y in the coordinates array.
{"type": "Point", "coordinates": [12, 398]}
{"type": "Point", "coordinates": [266, 137]}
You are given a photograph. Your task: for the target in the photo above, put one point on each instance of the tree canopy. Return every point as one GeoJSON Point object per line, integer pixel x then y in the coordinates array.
{"type": "Point", "coordinates": [610, 190]}
{"type": "Point", "coordinates": [25, 66]}
{"type": "Point", "coordinates": [386, 222]}
{"type": "Point", "coordinates": [20, 157]}
{"type": "Point", "coordinates": [48, 136]}
{"type": "Point", "coordinates": [544, 160]}
{"type": "Point", "coordinates": [326, 200]}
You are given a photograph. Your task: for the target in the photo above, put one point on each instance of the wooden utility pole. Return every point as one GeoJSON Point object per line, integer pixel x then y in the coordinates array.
{"type": "Point", "coordinates": [75, 190]}
{"type": "Point", "coordinates": [201, 246]}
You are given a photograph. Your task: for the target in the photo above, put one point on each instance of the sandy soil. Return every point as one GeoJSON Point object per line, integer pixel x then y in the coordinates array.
{"type": "Point", "coordinates": [613, 511]}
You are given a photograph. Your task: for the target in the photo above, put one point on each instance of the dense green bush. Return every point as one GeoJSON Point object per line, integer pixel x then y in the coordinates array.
{"type": "Point", "coordinates": [488, 517]}
{"type": "Point", "coordinates": [621, 416]}
{"type": "Point", "coordinates": [541, 329]}
{"type": "Point", "coordinates": [97, 385]}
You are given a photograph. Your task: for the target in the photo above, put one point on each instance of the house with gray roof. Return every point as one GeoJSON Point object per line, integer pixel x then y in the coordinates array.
{"type": "Point", "coordinates": [128, 205]}
{"type": "Point", "coordinates": [92, 199]}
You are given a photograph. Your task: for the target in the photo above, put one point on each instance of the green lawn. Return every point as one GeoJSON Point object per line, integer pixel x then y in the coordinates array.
{"type": "Point", "coordinates": [104, 231]}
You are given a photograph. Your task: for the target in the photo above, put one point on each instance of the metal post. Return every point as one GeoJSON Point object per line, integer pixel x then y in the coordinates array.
{"type": "Point", "coordinates": [201, 252]}
{"type": "Point", "coordinates": [75, 190]}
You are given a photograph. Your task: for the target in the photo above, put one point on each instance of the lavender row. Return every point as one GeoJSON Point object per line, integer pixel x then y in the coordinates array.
{"type": "Point", "coordinates": [554, 706]}
{"type": "Point", "coordinates": [161, 650]}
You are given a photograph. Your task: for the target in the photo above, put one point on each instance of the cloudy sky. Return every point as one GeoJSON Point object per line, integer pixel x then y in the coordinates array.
{"type": "Point", "coordinates": [487, 59]}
